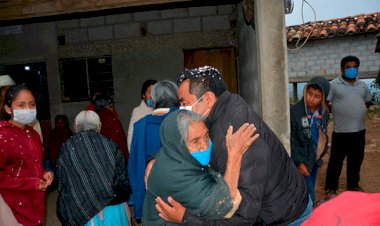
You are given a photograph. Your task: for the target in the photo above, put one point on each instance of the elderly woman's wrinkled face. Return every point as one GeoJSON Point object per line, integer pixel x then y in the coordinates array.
{"type": "Point", "coordinates": [197, 137]}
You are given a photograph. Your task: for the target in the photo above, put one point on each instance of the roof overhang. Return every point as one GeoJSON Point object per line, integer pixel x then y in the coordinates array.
{"type": "Point", "coordinates": [334, 28]}
{"type": "Point", "coordinates": [26, 9]}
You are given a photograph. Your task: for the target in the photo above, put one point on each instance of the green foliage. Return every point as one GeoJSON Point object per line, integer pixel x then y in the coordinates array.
{"type": "Point", "coordinates": [374, 110]}
{"type": "Point", "coordinates": [375, 92]}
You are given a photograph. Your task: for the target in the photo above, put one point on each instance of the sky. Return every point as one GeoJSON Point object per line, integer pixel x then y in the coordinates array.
{"type": "Point", "coordinates": [330, 9]}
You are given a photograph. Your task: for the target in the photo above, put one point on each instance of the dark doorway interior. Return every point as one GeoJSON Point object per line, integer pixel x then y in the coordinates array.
{"type": "Point", "coordinates": [34, 76]}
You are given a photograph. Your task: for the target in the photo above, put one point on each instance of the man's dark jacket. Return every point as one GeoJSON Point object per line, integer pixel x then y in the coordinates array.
{"type": "Point", "coordinates": [272, 189]}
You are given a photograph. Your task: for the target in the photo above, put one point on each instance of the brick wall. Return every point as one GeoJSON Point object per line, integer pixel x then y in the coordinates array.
{"type": "Point", "coordinates": [147, 23]}
{"type": "Point", "coordinates": [144, 45]}
{"type": "Point", "coordinates": [322, 57]}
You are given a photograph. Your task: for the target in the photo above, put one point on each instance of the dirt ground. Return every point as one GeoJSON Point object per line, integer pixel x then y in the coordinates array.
{"type": "Point", "coordinates": [370, 173]}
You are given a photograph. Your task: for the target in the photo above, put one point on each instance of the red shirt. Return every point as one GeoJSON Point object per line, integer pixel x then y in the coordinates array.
{"type": "Point", "coordinates": [58, 136]}
{"type": "Point", "coordinates": [112, 129]}
{"type": "Point", "coordinates": [20, 173]}
{"type": "Point", "coordinates": [348, 208]}
{"type": "Point", "coordinates": [90, 107]}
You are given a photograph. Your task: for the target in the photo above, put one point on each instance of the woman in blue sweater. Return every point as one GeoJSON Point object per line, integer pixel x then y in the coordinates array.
{"type": "Point", "coordinates": [146, 139]}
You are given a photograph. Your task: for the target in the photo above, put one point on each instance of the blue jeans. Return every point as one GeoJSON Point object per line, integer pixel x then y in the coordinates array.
{"type": "Point", "coordinates": [306, 214]}
{"type": "Point", "coordinates": [310, 182]}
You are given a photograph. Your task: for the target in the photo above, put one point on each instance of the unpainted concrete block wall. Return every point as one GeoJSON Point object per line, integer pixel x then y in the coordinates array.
{"type": "Point", "coordinates": [155, 22]}
{"type": "Point", "coordinates": [143, 45]}
{"type": "Point", "coordinates": [322, 57]}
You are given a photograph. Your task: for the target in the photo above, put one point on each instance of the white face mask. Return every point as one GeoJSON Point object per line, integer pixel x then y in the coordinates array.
{"type": "Point", "coordinates": [24, 116]}
{"type": "Point", "coordinates": [190, 108]}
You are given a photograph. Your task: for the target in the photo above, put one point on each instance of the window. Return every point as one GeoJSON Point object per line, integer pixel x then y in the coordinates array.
{"type": "Point", "coordinates": [81, 77]}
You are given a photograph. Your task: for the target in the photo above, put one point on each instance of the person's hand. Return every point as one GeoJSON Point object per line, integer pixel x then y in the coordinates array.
{"type": "Point", "coordinates": [147, 172]}
{"type": "Point", "coordinates": [238, 143]}
{"type": "Point", "coordinates": [173, 212]}
{"type": "Point", "coordinates": [48, 177]}
{"type": "Point", "coordinates": [303, 170]}
{"type": "Point", "coordinates": [42, 186]}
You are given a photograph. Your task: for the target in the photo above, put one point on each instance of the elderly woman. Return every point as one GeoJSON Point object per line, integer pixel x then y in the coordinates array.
{"type": "Point", "coordinates": [93, 185]}
{"type": "Point", "coordinates": [146, 139]}
{"type": "Point", "coordinates": [181, 169]}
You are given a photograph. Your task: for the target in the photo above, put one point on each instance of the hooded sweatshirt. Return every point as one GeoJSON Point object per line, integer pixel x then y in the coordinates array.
{"type": "Point", "coordinates": [303, 148]}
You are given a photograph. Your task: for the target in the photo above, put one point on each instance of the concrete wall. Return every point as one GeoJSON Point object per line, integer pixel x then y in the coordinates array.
{"type": "Point", "coordinates": [272, 67]}
{"type": "Point", "coordinates": [136, 67]}
{"type": "Point", "coordinates": [247, 55]}
{"type": "Point", "coordinates": [35, 43]}
{"type": "Point", "coordinates": [146, 45]}
{"type": "Point", "coordinates": [143, 45]}
{"type": "Point", "coordinates": [322, 57]}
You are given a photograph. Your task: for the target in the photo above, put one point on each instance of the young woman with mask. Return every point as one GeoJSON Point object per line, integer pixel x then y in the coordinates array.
{"type": "Point", "coordinates": [181, 169]}
{"type": "Point", "coordinates": [22, 177]}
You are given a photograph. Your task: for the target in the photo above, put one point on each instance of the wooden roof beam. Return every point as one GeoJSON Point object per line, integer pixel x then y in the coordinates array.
{"type": "Point", "coordinates": [24, 9]}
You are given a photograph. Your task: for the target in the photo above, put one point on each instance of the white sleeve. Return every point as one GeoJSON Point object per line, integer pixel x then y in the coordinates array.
{"type": "Point", "coordinates": [134, 118]}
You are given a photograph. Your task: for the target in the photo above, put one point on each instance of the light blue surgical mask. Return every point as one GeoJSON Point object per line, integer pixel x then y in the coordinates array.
{"type": "Point", "coordinates": [351, 73]}
{"type": "Point", "coordinates": [149, 103]}
{"type": "Point", "coordinates": [203, 156]}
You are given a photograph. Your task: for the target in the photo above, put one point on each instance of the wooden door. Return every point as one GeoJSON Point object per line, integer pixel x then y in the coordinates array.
{"type": "Point", "coordinates": [224, 59]}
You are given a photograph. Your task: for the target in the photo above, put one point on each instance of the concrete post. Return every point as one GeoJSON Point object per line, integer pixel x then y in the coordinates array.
{"type": "Point", "coordinates": [295, 92]}
{"type": "Point", "coordinates": [272, 67]}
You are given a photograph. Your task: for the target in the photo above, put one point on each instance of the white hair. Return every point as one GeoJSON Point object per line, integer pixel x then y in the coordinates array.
{"type": "Point", "coordinates": [87, 120]}
{"type": "Point", "coordinates": [184, 119]}
{"type": "Point", "coordinates": [164, 94]}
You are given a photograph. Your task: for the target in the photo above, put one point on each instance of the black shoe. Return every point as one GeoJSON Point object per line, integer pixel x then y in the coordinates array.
{"type": "Point", "coordinates": [330, 194]}
{"type": "Point", "coordinates": [357, 188]}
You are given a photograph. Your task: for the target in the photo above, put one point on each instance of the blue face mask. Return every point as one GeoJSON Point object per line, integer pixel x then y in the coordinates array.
{"type": "Point", "coordinates": [149, 103]}
{"type": "Point", "coordinates": [351, 73]}
{"type": "Point", "coordinates": [203, 156]}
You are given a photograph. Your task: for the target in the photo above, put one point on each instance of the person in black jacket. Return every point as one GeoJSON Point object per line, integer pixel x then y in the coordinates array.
{"type": "Point", "coordinates": [273, 191]}
{"type": "Point", "coordinates": [309, 121]}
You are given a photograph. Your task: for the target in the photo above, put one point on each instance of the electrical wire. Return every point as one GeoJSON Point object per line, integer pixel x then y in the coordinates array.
{"type": "Point", "coordinates": [303, 22]}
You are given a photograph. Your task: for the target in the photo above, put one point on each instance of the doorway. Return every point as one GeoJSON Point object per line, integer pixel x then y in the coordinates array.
{"type": "Point", "coordinates": [224, 59]}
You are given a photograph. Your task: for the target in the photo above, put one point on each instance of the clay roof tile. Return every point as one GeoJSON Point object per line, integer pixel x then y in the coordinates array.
{"type": "Point", "coordinates": [351, 25]}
